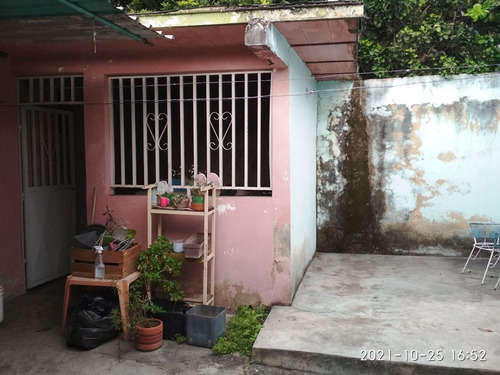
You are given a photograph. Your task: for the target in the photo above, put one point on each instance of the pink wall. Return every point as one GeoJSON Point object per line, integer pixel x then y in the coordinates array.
{"type": "Point", "coordinates": [11, 254]}
{"type": "Point", "coordinates": [252, 265]}
{"type": "Point", "coordinates": [249, 270]}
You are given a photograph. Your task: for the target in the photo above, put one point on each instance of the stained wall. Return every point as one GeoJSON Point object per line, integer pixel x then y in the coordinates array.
{"type": "Point", "coordinates": [405, 164]}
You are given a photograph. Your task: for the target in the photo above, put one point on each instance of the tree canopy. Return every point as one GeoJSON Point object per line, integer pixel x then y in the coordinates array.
{"type": "Point", "coordinates": [425, 37]}
{"type": "Point", "coordinates": [403, 37]}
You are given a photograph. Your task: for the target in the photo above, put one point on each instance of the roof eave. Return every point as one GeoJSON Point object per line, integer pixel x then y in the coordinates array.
{"type": "Point", "coordinates": [242, 15]}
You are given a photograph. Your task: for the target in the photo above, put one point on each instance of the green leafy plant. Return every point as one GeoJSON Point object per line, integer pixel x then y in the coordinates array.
{"type": "Point", "coordinates": [117, 235]}
{"type": "Point", "coordinates": [242, 330]}
{"type": "Point", "coordinates": [159, 267]}
{"type": "Point", "coordinates": [425, 37]}
{"type": "Point", "coordinates": [180, 339]}
{"type": "Point", "coordinates": [179, 199]}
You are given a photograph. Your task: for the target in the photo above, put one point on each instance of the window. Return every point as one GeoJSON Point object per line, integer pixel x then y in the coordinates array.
{"type": "Point", "coordinates": [51, 90]}
{"type": "Point", "coordinates": [173, 127]}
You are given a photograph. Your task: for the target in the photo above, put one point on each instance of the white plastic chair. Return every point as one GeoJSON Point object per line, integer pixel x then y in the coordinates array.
{"type": "Point", "coordinates": [486, 238]}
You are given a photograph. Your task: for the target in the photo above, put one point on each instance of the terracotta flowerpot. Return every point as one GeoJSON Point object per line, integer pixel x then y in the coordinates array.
{"type": "Point", "coordinates": [198, 203]}
{"type": "Point", "coordinates": [149, 338]}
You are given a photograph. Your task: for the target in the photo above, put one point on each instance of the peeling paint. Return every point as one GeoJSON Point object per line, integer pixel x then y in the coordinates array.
{"type": "Point", "coordinates": [225, 208]}
{"type": "Point", "coordinates": [446, 156]}
{"type": "Point", "coordinates": [413, 169]}
{"type": "Point", "coordinates": [281, 240]}
{"type": "Point", "coordinates": [222, 16]}
{"type": "Point", "coordinates": [233, 295]}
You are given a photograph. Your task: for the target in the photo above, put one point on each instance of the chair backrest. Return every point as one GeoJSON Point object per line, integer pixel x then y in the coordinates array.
{"type": "Point", "coordinates": [488, 232]}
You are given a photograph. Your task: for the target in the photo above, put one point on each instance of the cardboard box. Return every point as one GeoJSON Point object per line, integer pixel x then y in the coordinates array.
{"type": "Point", "coordinates": [118, 264]}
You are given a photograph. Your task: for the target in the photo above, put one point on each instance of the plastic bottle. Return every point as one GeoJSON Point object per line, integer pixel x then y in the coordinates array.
{"type": "Point", "coordinates": [99, 264]}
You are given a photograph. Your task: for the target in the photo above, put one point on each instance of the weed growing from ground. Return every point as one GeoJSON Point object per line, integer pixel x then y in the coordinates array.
{"type": "Point", "coordinates": [242, 330]}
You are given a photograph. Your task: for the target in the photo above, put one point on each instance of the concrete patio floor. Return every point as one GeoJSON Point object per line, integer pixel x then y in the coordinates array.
{"type": "Point", "coordinates": [414, 314]}
{"type": "Point", "coordinates": [379, 314]}
{"type": "Point", "coordinates": [31, 344]}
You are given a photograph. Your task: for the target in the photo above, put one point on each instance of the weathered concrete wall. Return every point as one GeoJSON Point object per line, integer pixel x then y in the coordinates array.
{"type": "Point", "coordinates": [302, 120]}
{"type": "Point", "coordinates": [405, 164]}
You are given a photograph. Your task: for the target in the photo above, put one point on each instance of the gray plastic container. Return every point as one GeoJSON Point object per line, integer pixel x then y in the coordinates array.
{"type": "Point", "coordinates": [205, 324]}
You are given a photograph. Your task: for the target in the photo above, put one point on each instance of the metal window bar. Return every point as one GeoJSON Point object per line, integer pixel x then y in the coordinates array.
{"type": "Point", "coordinates": [49, 151]}
{"type": "Point", "coordinates": [51, 90]}
{"type": "Point", "coordinates": [181, 129]}
{"type": "Point", "coordinates": [40, 150]}
{"type": "Point", "coordinates": [259, 131]}
{"type": "Point", "coordinates": [121, 132]}
{"type": "Point", "coordinates": [133, 131]}
{"type": "Point", "coordinates": [169, 131]}
{"type": "Point", "coordinates": [224, 132]}
{"type": "Point", "coordinates": [207, 126]}
{"type": "Point", "coordinates": [246, 134]}
{"type": "Point", "coordinates": [144, 130]}
{"type": "Point", "coordinates": [233, 133]}
{"type": "Point", "coordinates": [195, 119]}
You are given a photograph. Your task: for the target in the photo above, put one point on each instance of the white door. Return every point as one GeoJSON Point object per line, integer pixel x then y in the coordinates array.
{"type": "Point", "coordinates": [49, 192]}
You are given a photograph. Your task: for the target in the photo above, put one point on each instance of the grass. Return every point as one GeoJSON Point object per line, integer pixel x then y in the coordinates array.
{"type": "Point", "coordinates": [242, 330]}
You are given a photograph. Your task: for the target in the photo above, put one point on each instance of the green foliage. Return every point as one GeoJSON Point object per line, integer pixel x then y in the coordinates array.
{"type": "Point", "coordinates": [137, 6]}
{"type": "Point", "coordinates": [158, 266]}
{"type": "Point", "coordinates": [482, 11]}
{"type": "Point", "coordinates": [242, 331]}
{"type": "Point", "coordinates": [422, 37]}
{"type": "Point", "coordinates": [403, 37]}
{"type": "Point", "coordinates": [180, 339]}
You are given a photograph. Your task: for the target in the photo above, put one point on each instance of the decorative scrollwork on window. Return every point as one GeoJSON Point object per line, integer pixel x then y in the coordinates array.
{"type": "Point", "coordinates": [150, 121]}
{"type": "Point", "coordinates": [227, 123]}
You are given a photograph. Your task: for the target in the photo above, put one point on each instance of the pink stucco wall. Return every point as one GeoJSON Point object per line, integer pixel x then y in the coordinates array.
{"type": "Point", "coordinates": [253, 261]}
{"type": "Point", "coordinates": [249, 267]}
{"type": "Point", "coordinates": [11, 253]}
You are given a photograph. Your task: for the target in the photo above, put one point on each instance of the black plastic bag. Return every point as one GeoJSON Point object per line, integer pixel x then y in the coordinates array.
{"type": "Point", "coordinates": [89, 324]}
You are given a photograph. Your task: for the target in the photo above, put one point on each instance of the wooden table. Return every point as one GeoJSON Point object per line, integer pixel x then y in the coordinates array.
{"type": "Point", "coordinates": [123, 290]}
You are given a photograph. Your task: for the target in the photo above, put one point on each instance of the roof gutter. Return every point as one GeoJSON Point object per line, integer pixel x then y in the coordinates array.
{"type": "Point", "coordinates": [104, 21]}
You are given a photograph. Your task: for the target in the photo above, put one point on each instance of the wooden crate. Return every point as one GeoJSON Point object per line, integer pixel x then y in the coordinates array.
{"type": "Point", "coordinates": [118, 264]}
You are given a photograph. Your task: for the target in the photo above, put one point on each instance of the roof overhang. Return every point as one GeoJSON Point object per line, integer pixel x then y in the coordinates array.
{"type": "Point", "coordinates": [49, 21]}
{"type": "Point", "coordinates": [323, 34]}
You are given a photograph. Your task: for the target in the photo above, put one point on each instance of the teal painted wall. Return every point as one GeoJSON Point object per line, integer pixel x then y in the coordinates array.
{"type": "Point", "coordinates": [405, 164]}
{"type": "Point", "coordinates": [302, 139]}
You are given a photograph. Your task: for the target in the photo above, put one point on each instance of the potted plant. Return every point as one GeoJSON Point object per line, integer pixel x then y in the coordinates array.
{"type": "Point", "coordinates": [165, 199]}
{"type": "Point", "coordinates": [201, 184]}
{"type": "Point", "coordinates": [180, 200]}
{"type": "Point", "coordinates": [116, 236]}
{"type": "Point", "coordinates": [197, 199]}
{"type": "Point", "coordinates": [159, 267]}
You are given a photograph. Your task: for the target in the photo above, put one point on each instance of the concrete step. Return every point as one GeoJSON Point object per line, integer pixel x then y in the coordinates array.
{"type": "Point", "coordinates": [377, 314]}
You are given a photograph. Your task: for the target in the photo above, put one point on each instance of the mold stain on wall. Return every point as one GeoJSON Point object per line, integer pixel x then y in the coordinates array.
{"type": "Point", "coordinates": [353, 225]}
{"type": "Point", "coordinates": [389, 175]}
{"type": "Point", "coordinates": [233, 295]}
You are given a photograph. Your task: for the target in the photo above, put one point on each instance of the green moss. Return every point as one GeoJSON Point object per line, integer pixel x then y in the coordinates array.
{"type": "Point", "coordinates": [242, 331]}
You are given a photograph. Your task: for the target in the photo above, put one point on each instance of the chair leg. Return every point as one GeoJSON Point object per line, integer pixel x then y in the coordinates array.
{"type": "Point", "coordinates": [471, 256]}
{"type": "Point", "coordinates": [67, 292]}
{"type": "Point", "coordinates": [487, 267]}
{"type": "Point", "coordinates": [123, 292]}
{"type": "Point", "coordinates": [498, 281]}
